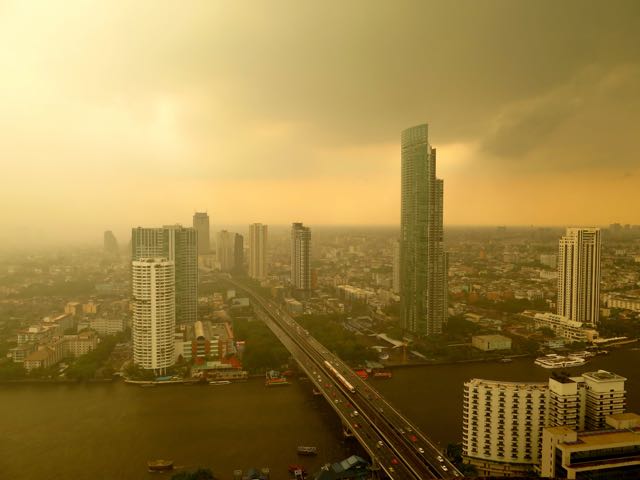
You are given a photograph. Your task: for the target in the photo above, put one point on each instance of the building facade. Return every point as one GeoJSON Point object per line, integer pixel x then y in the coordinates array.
{"type": "Point", "coordinates": [225, 250]}
{"type": "Point", "coordinates": [179, 245]}
{"type": "Point", "coordinates": [423, 262]}
{"type": "Point", "coordinates": [154, 313]}
{"type": "Point", "coordinates": [258, 236]}
{"type": "Point", "coordinates": [201, 226]}
{"type": "Point", "coordinates": [300, 257]}
{"type": "Point", "coordinates": [579, 275]}
{"type": "Point", "coordinates": [601, 455]}
{"type": "Point", "coordinates": [238, 253]}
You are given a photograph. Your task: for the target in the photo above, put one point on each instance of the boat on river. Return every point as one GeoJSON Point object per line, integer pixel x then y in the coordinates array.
{"type": "Point", "coordinates": [160, 465]}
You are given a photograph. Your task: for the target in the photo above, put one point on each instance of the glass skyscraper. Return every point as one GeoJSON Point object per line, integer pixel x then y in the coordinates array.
{"type": "Point", "coordinates": [423, 261]}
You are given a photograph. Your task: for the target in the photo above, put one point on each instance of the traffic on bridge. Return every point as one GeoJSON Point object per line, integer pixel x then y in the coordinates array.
{"type": "Point", "coordinates": [395, 445]}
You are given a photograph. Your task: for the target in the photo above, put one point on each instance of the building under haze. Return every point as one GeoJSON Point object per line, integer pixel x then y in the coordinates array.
{"type": "Point", "coordinates": [154, 313]}
{"type": "Point", "coordinates": [238, 253]}
{"type": "Point", "coordinates": [300, 256]}
{"type": "Point", "coordinates": [110, 244]}
{"type": "Point", "coordinates": [258, 234]}
{"type": "Point", "coordinates": [225, 250]}
{"type": "Point", "coordinates": [179, 245]}
{"type": "Point", "coordinates": [201, 225]}
{"type": "Point", "coordinates": [395, 282]}
{"type": "Point", "coordinates": [579, 275]}
{"type": "Point", "coordinates": [423, 262]}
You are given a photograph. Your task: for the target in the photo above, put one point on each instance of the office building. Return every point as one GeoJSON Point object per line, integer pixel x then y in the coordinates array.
{"type": "Point", "coordinates": [562, 327]}
{"type": "Point", "coordinates": [225, 244]}
{"type": "Point", "coordinates": [423, 262]}
{"type": "Point", "coordinates": [238, 253]}
{"type": "Point", "coordinates": [201, 225]}
{"type": "Point", "coordinates": [179, 245]}
{"type": "Point", "coordinates": [579, 275]}
{"type": "Point", "coordinates": [154, 313]}
{"type": "Point", "coordinates": [258, 234]}
{"type": "Point", "coordinates": [605, 454]}
{"type": "Point", "coordinates": [300, 256]}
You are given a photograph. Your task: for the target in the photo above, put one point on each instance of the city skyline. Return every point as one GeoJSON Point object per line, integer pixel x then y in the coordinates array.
{"type": "Point", "coordinates": [214, 123]}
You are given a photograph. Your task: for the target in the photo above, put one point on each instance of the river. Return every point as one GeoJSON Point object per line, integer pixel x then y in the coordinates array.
{"type": "Point", "coordinates": [109, 431]}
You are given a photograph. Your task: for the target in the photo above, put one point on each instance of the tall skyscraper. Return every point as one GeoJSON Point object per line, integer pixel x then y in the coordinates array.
{"type": "Point", "coordinates": [201, 224]}
{"type": "Point", "coordinates": [179, 245]}
{"type": "Point", "coordinates": [395, 284]}
{"type": "Point", "coordinates": [225, 250]}
{"type": "Point", "coordinates": [154, 314]}
{"type": "Point", "coordinates": [258, 251]}
{"type": "Point", "coordinates": [238, 253]}
{"type": "Point", "coordinates": [579, 275]}
{"type": "Point", "coordinates": [110, 244]}
{"type": "Point", "coordinates": [300, 256]}
{"type": "Point", "coordinates": [423, 262]}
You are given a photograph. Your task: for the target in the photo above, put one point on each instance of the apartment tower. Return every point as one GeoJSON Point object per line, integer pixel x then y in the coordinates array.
{"type": "Point", "coordinates": [423, 262]}
{"type": "Point", "coordinates": [179, 245]}
{"type": "Point", "coordinates": [154, 313]}
{"type": "Point", "coordinates": [579, 275]}
{"type": "Point", "coordinates": [300, 256]}
{"type": "Point", "coordinates": [258, 234]}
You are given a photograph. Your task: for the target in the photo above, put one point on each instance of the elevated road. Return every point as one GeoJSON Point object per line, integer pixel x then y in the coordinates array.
{"type": "Point", "coordinates": [394, 443]}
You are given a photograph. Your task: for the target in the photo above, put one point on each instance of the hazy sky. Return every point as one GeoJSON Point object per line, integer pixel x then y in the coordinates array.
{"type": "Point", "coordinates": [117, 114]}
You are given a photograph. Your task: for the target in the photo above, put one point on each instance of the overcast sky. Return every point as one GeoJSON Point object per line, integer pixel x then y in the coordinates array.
{"type": "Point", "coordinates": [116, 114]}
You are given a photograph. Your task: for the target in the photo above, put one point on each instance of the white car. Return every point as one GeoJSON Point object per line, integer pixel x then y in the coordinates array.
{"type": "Point", "coordinates": [440, 459]}
{"type": "Point", "coordinates": [355, 413]}
{"type": "Point", "coordinates": [444, 468]}
{"type": "Point", "coordinates": [421, 450]}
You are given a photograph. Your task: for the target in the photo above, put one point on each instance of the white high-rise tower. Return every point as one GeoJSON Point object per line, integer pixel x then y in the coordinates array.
{"type": "Point", "coordinates": [258, 250]}
{"type": "Point", "coordinates": [579, 275]}
{"type": "Point", "coordinates": [154, 313]}
{"type": "Point", "coordinates": [300, 256]}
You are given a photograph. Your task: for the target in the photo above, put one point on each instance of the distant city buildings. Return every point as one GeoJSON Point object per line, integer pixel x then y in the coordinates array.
{"type": "Point", "coordinates": [423, 262]}
{"type": "Point", "coordinates": [179, 245]}
{"type": "Point", "coordinates": [258, 237]}
{"type": "Point", "coordinates": [579, 275]}
{"type": "Point", "coordinates": [503, 421]}
{"type": "Point", "coordinates": [201, 225]}
{"type": "Point", "coordinates": [154, 313]}
{"type": "Point", "coordinates": [300, 257]}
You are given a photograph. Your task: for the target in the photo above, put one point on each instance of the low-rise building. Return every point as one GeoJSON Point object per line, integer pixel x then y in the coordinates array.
{"type": "Point", "coordinates": [605, 454]}
{"type": "Point", "coordinates": [80, 343]}
{"type": "Point", "coordinates": [624, 301]}
{"type": "Point", "coordinates": [107, 325]}
{"type": "Point", "coordinates": [562, 326]}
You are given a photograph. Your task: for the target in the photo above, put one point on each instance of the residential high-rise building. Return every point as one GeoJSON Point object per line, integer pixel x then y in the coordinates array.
{"type": "Point", "coordinates": [395, 283]}
{"type": "Point", "coordinates": [300, 256]}
{"type": "Point", "coordinates": [502, 426]}
{"type": "Point", "coordinates": [179, 245]}
{"type": "Point", "coordinates": [258, 234]}
{"type": "Point", "coordinates": [423, 261]}
{"type": "Point", "coordinates": [110, 244]}
{"type": "Point", "coordinates": [201, 224]}
{"type": "Point", "coordinates": [154, 314]}
{"type": "Point", "coordinates": [579, 275]}
{"type": "Point", "coordinates": [225, 250]}
{"type": "Point", "coordinates": [238, 253]}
